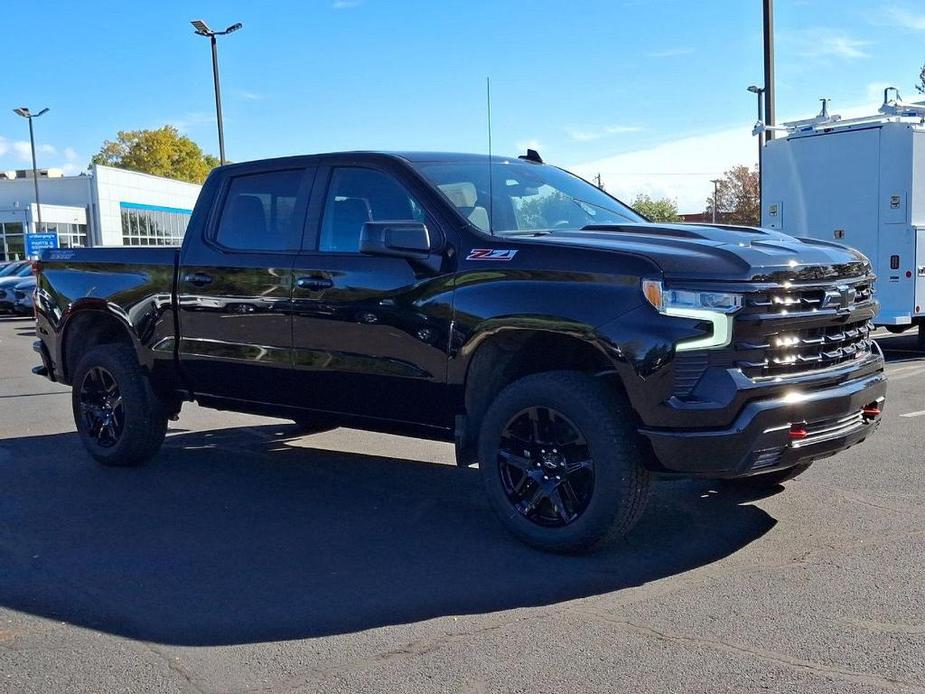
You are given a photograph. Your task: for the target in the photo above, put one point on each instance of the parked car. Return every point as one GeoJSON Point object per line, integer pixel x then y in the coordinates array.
{"type": "Point", "coordinates": [9, 267]}
{"type": "Point", "coordinates": [9, 282]}
{"type": "Point", "coordinates": [566, 345]}
{"type": "Point", "coordinates": [22, 296]}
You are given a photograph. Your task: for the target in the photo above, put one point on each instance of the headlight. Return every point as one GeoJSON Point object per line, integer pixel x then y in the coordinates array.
{"type": "Point", "coordinates": [715, 307]}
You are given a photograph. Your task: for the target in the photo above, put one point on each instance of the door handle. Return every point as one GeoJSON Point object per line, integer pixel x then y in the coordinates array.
{"type": "Point", "coordinates": [314, 283]}
{"type": "Point", "coordinates": [198, 279]}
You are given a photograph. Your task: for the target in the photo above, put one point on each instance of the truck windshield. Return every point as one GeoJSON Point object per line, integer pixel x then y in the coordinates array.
{"type": "Point", "coordinates": [523, 196]}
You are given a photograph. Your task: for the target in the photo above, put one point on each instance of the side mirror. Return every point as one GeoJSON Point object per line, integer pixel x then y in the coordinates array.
{"type": "Point", "coordinates": [400, 239]}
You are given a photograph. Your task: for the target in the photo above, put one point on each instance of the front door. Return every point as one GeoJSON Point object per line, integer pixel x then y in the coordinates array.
{"type": "Point", "coordinates": [369, 332]}
{"type": "Point", "coordinates": [234, 288]}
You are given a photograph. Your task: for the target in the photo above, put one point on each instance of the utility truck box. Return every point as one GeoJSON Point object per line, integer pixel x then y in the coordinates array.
{"type": "Point", "coordinates": [860, 182]}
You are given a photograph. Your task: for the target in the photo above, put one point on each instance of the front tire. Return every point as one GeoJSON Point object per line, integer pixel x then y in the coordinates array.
{"type": "Point", "coordinates": [120, 419]}
{"type": "Point", "coordinates": [562, 462]}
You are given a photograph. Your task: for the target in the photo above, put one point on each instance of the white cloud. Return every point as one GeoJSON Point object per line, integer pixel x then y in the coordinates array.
{"type": "Point", "coordinates": [248, 96]}
{"type": "Point", "coordinates": [70, 153]}
{"type": "Point", "coordinates": [345, 4]}
{"type": "Point", "coordinates": [681, 169]}
{"type": "Point", "coordinates": [590, 134]}
{"type": "Point", "coordinates": [4, 147]}
{"type": "Point", "coordinates": [670, 52]}
{"type": "Point", "coordinates": [825, 43]}
{"type": "Point", "coordinates": [184, 123]}
{"type": "Point", "coordinates": [905, 18]}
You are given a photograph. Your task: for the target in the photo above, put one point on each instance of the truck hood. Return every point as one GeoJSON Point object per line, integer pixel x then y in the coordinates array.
{"type": "Point", "coordinates": [720, 253]}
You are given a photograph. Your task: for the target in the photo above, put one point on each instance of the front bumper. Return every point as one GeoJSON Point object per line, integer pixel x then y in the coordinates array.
{"type": "Point", "coordinates": [760, 439]}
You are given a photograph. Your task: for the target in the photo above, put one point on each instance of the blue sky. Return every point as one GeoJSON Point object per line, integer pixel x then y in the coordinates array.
{"type": "Point", "coordinates": [651, 93]}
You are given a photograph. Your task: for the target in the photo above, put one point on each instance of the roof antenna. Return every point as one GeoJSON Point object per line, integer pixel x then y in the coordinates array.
{"type": "Point", "coordinates": [491, 186]}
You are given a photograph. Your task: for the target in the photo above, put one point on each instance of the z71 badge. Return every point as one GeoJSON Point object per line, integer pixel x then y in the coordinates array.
{"type": "Point", "coordinates": [502, 254]}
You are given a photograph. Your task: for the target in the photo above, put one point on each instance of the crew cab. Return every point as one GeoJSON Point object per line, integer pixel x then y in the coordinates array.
{"type": "Point", "coordinates": [570, 348]}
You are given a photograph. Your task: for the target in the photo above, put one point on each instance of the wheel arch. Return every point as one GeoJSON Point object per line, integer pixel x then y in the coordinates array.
{"type": "Point", "coordinates": [500, 357]}
{"type": "Point", "coordinates": [88, 325]}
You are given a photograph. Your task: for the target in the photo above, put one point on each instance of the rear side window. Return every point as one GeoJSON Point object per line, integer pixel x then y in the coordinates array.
{"type": "Point", "coordinates": [261, 212]}
{"type": "Point", "coordinates": [356, 196]}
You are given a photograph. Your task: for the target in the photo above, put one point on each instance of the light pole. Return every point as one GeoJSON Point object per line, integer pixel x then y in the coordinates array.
{"type": "Point", "coordinates": [202, 29]}
{"type": "Point", "coordinates": [715, 182]}
{"type": "Point", "coordinates": [759, 92]}
{"type": "Point", "coordinates": [28, 115]}
{"type": "Point", "coordinates": [769, 115]}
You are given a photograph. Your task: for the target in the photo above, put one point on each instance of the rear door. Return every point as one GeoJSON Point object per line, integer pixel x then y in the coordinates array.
{"type": "Point", "coordinates": [234, 286]}
{"type": "Point", "coordinates": [369, 332]}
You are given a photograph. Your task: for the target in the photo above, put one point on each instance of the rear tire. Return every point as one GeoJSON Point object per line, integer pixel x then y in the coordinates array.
{"type": "Point", "coordinates": [562, 462]}
{"type": "Point", "coordinates": [769, 480]}
{"type": "Point", "coordinates": [120, 419]}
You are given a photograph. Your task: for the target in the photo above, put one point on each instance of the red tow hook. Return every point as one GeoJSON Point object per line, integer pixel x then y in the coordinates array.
{"type": "Point", "coordinates": [871, 412]}
{"type": "Point", "coordinates": [797, 432]}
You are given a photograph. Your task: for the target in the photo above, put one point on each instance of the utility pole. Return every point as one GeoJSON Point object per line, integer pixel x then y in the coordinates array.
{"type": "Point", "coordinates": [598, 182]}
{"type": "Point", "coordinates": [769, 116]}
{"type": "Point", "coordinates": [27, 114]}
{"type": "Point", "coordinates": [715, 182]}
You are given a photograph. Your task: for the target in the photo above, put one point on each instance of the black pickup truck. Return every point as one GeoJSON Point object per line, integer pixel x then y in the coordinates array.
{"type": "Point", "coordinates": [566, 345]}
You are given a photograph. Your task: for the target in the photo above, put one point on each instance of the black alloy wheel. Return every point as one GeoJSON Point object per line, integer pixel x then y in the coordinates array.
{"type": "Point", "coordinates": [101, 407]}
{"type": "Point", "coordinates": [546, 467]}
{"type": "Point", "coordinates": [562, 461]}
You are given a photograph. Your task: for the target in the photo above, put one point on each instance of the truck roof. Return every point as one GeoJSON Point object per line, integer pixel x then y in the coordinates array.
{"type": "Point", "coordinates": [407, 156]}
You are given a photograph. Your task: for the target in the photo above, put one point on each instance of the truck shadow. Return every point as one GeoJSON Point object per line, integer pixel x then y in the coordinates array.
{"type": "Point", "coordinates": [239, 536]}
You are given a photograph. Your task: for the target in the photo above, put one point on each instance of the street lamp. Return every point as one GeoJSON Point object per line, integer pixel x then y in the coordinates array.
{"type": "Point", "coordinates": [759, 92]}
{"type": "Point", "coordinates": [202, 29]}
{"type": "Point", "coordinates": [27, 114]}
{"type": "Point", "coordinates": [715, 182]}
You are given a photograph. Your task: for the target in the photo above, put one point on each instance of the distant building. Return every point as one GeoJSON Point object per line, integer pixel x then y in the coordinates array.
{"type": "Point", "coordinates": [105, 207]}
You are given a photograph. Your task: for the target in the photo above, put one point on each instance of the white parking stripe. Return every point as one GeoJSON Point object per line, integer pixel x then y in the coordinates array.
{"type": "Point", "coordinates": [913, 414]}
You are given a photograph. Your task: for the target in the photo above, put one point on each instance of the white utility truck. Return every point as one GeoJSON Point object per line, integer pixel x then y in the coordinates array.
{"type": "Point", "coordinates": [860, 182]}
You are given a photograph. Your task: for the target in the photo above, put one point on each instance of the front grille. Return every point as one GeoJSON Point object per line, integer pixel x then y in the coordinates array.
{"type": "Point", "coordinates": [788, 330]}
{"type": "Point", "coordinates": [786, 351]}
{"type": "Point", "coordinates": [787, 300]}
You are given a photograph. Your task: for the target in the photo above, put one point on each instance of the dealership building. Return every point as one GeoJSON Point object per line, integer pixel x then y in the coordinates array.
{"type": "Point", "coordinates": [103, 207]}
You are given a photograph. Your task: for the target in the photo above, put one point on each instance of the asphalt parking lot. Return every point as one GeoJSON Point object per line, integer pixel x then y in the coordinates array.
{"type": "Point", "coordinates": [248, 558]}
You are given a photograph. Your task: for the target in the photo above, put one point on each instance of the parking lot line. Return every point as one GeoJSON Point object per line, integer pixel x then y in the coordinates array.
{"type": "Point", "coordinates": [913, 414]}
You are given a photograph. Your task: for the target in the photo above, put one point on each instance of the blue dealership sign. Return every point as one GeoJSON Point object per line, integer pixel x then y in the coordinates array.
{"type": "Point", "coordinates": [36, 243]}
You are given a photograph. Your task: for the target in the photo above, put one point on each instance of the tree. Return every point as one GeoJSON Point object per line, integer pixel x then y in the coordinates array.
{"type": "Point", "coordinates": [161, 152]}
{"type": "Point", "coordinates": [657, 210]}
{"type": "Point", "coordinates": [920, 87]}
{"type": "Point", "coordinates": [737, 197]}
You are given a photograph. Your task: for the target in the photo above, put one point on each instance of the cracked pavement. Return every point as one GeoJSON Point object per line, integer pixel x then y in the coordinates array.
{"type": "Point", "coordinates": [247, 558]}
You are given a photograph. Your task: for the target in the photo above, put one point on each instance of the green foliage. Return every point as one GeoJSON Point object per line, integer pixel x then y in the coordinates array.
{"type": "Point", "coordinates": [920, 87]}
{"type": "Point", "coordinates": [737, 200]}
{"type": "Point", "coordinates": [658, 209]}
{"type": "Point", "coordinates": [543, 211]}
{"type": "Point", "coordinates": [161, 152]}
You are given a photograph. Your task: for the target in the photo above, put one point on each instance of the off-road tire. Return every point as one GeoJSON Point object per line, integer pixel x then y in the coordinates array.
{"type": "Point", "coordinates": [606, 422]}
{"type": "Point", "coordinates": [145, 415]}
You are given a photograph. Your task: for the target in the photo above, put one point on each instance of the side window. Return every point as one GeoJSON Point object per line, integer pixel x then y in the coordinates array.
{"type": "Point", "coordinates": [259, 212]}
{"type": "Point", "coordinates": [356, 196]}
